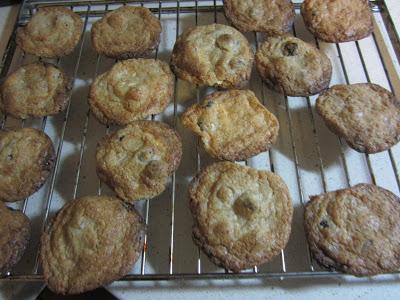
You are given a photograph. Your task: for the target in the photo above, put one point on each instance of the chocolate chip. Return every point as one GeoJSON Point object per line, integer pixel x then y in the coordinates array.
{"type": "Point", "coordinates": [121, 138]}
{"type": "Point", "coordinates": [209, 104]}
{"type": "Point", "coordinates": [290, 49]}
{"type": "Point", "coordinates": [324, 224]}
{"type": "Point", "coordinates": [10, 156]}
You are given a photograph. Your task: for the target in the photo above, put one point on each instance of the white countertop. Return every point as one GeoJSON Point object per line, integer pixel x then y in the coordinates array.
{"type": "Point", "coordinates": [389, 288]}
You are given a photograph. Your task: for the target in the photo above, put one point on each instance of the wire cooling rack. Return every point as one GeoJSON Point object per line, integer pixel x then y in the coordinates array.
{"type": "Point", "coordinates": [310, 159]}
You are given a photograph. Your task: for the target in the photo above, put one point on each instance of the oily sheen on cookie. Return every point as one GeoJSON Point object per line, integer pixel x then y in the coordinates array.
{"type": "Point", "coordinates": [233, 125]}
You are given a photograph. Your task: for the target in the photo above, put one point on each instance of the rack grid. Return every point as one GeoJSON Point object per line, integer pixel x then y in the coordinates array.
{"type": "Point", "coordinates": [310, 158]}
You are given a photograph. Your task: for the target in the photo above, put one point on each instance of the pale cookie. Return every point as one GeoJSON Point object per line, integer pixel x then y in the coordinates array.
{"type": "Point", "coordinates": [132, 90]}
{"type": "Point", "coordinates": [242, 216]}
{"type": "Point", "coordinates": [91, 242]}
{"type": "Point", "coordinates": [366, 115]}
{"type": "Point", "coordinates": [293, 67]}
{"type": "Point", "coordinates": [355, 230]}
{"type": "Point", "coordinates": [233, 125]}
{"type": "Point", "coordinates": [26, 160]}
{"type": "Point", "coordinates": [337, 21]}
{"type": "Point", "coordinates": [52, 32]}
{"type": "Point", "coordinates": [35, 90]}
{"type": "Point", "coordinates": [213, 55]}
{"type": "Point", "coordinates": [136, 161]}
{"type": "Point", "coordinates": [126, 32]}
{"type": "Point", "coordinates": [272, 17]}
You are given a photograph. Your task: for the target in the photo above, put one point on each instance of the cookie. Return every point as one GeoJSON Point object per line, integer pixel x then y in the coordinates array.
{"type": "Point", "coordinates": [35, 90]}
{"type": "Point", "coordinates": [91, 242]}
{"type": "Point", "coordinates": [52, 32]}
{"type": "Point", "coordinates": [136, 161]}
{"type": "Point", "coordinates": [366, 115]}
{"type": "Point", "coordinates": [337, 21]}
{"type": "Point", "coordinates": [132, 90]}
{"type": "Point", "coordinates": [26, 160]}
{"type": "Point", "coordinates": [233, 125]}
{"type": "Point", "coordinates": [213, 55]}
{"type": "Point", "coordinates": [242, 216]}
{"type": "Point", "coordinates": [271, 17]}
{"type": "Point", "coordinates": [355, 230]}
{"type": "Point", "coordinates": [293, 67]}
{"type": "Point", "coordinates": [126, 32]}
{"type": "Point", "coordinates": [15, 231]}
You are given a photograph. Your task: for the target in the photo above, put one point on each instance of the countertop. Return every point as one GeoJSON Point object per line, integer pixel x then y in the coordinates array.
{"type": "Point", "coordinates": [387, 288]}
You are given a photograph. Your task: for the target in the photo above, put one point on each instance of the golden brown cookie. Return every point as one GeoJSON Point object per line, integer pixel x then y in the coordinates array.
{"type": "Point", "coordinates": [35, 90]}
{"type": "Point", "coordinates": [293, 67]}
{"type": "Point", "coordinates": [337, 21]}
{"type": "Point", "coordinates": [213, 55]}
{"type": "Point", "coordinates": [355, 230]}
{"type": "Point", "coordinates": [15, 231]}
{"type": "Point", "coordinates": [26, 160]}
{"type": "Point", "coordinates": [233, 125]}
{"type": "Point", "coordinates": [132, 90]}
{"type": "Point", "coordinates": [242, 216]}
{"type": "Point", "coordinates": [126, 32]}
{"type": "Point", "coordinates": [136, 161]}
{"type": "Point", "coordinates": [91, 242]}
{"type": "Point", "coordinates": [272, 17]}
{"type": "Point", "coordinates": [366, 115]}
{"type": "Point", "coordinates": [52, 32]}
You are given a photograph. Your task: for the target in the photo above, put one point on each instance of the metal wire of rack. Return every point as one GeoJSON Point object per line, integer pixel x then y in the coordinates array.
{"type": "Point", "coordinates": [350, 165]}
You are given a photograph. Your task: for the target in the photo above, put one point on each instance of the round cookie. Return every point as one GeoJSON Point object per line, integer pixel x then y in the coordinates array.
{"type": "Point", "coordinates": [35, 90]}
{"type": "Point", "coordinates": [52, 32]}
{"type": "Point", "coordinates": [132, 90]}
{"type": "Point", "coordinates": [91, 242]}
{"type": "Point", "coordinates": [242, 216]}
{"type": "Point", "coordinates": [366, 115]}
{"type": "Point", "coordinates": [355, 230]}
{"type": "Point", "coordinates": [293, 67]}
{"type": "Point", "coordinates": [136, 161]}
{"type": "Point", "coordinates": [15, 231]}
{"type": "Point", "coordinates": [126, 32]}
{"type": "Point", "coordinates": [26, 160]}
{"type": "Point", "coordinates": [233, 125]}
{"type": "Point", "coordinates": [337, 21]}
{"type": "Point", "coordinates": [213, 55]}
{"type": "Point", "coordinates": [271, 17]}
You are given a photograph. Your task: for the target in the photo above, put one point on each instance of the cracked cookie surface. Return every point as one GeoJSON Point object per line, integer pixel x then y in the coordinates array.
{"type": "Point", "coordinates": [35, 90]}
{"type": "Point", "coordinates": [355, 230]}
{"type": "Point", "coordinates": [14, 236]}
{"type": "Point", "coordinates": [293, 67]}
{"type": "Point", "coordinates": [136, 161]}
{"type": "Point", "coordinates": [132, 90]}
{"type": "Point", "coordinates": [233, 125]}
{"type": "Point", "coordinates": [126, 32]}
{"type": "Point", "coordinates": [52, 32]}
{"type": "Point", "coordinates": [272, 17]}
{"type": "Point", "coordinates": [213, 55]}
{"type": "Point", "coordinates": [26, 160]}
{"type": "Point", "coordinates": [242, 216]}
{"type": "Point", "coordinates": [366, 115]}
{"type": "Point", "coordinates": [337, 21]}
{"type": "Point", "coordinates": [91, 242]}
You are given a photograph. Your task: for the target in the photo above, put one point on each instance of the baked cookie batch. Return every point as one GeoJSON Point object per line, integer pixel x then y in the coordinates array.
{"type": "Point", "coordinates": [242, 216]}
